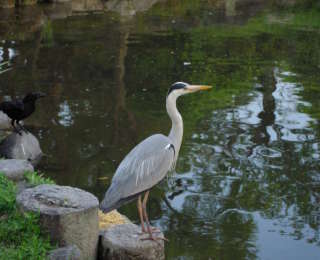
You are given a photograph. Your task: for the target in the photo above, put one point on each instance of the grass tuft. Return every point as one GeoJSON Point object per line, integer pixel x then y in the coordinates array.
{"type": "Point", "coordinates": [35, 179]}
{"type": "Point", "coordinates": [20, 234]}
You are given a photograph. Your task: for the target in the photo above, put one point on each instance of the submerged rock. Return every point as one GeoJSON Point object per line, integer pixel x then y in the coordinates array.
{"type": "Point", "coordinates": [69, 215]}
{"type": "Point", "coordinates": [25, 146]}
{"type": "Point", "coordinates": [65, 253]}
{"type": "Point", "coordinates": [15, 169]}
{"type": "Point", "coordinates": [124, 241]}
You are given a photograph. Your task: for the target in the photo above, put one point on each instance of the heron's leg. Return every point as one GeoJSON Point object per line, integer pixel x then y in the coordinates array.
{"type": "Point", "coordinates": [149, 228]}
{"type": "Point", "coordinates": [139, 205]}
{"type": "Point", "coordinates": [144, 207]}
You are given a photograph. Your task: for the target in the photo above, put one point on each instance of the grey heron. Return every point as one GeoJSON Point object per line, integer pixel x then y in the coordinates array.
{"type": "Point", "coordinates": [149, 162]}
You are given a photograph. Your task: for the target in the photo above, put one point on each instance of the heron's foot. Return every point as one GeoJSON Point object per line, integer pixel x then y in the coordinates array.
{"type": "Point", "coordinates": [152, 229]}
{"type": "Point", "coordinates": [143, 231]}
{"type": "Point", "coordinates": [153, 238]}
{"type": "Point", "coordinates": [155, 230]}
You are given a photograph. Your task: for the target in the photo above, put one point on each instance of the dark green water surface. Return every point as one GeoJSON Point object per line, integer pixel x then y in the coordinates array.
{"type": "Point", "coordinates": [248, 177]}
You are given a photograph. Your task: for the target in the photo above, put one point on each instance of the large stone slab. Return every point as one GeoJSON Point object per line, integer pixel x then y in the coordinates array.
{"type": "Point", "coordinates": [125, 242]}
{"type": "Point", "coordinates": [25, 146]}
{"type": "Point", "coordinates": [15, 169]}
{"type": "Point", "coordinates": [69, 215]}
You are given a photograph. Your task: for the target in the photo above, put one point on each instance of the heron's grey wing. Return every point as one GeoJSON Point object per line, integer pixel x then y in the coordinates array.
{"type": "Point", "coordinates": [145, 166]}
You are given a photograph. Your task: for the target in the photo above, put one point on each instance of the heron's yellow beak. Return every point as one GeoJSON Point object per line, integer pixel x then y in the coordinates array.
{"type": "Point", "coordinates": [194, 88]}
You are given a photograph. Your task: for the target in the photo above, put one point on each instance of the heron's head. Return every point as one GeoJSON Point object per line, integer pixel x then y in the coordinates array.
{"type": "Point", "coordinates": [33, 96]}
{"type": "Point", "coordinates": [182, 88]}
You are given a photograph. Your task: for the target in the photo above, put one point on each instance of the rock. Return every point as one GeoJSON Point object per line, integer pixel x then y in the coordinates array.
{"type": "Point", "coordinates": [69, 215]}
{"type": "Point", "coordinates": [87, 5]}
{"type": "Point", "coordinates": [5, 121]}
{"type": "Point", "coordinates": [25, 146]}
{"type": "Point", "coordinates": [129, 7]}
{"type": "Point", "coordinates": [26, 2]}
{"type": "Point", "coordinates": [65, 253]}
{"type": "Point", "coordinates": [22, 185]}
{"type": "Point", "coordinates": [15, 169]}
{"type": "Point", "coordinates": [123, 242]}
{"type": "Point", "coordinates": [61, 1]}
{"type": "Point", "coordinates": [58, 11]}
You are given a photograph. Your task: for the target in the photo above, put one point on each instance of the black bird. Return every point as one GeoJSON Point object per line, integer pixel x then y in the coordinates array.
{"type": "Point", "coordinates": [20, 109]}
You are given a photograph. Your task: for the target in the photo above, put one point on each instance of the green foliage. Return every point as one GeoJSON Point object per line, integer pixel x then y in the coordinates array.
{"type": "Point", "coordinates": [34, 179]}
{"type": "Point", "coordinates": [20, 234]}
{"type": "Point", "coordinates": [7, 191]}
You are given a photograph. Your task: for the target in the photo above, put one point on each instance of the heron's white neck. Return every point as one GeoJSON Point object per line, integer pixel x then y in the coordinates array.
{"type": "Point", "coordinates": [176, 131]}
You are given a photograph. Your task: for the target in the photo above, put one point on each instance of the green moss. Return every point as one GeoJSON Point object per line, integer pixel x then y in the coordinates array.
{"type": "Point", "coordinates": [20, 234]}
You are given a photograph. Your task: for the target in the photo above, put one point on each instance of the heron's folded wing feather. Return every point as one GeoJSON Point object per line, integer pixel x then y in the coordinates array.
{"type": "Point", "coordinates": [145, 166]}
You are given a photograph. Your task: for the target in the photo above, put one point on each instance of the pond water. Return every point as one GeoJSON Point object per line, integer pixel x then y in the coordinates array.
{"type": "Point", "coordinates": [247, 183]}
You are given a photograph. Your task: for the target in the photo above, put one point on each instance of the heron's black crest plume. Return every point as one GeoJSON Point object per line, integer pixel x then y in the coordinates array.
{"type": "Point", "coordinates": [177, 85]}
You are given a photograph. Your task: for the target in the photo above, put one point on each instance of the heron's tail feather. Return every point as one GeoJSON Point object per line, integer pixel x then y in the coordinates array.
{"type": "Point", "coordinates": [105, 208]}
{"type": "Point", "coordinates": [110, 199]}
{"type": "Point", "coordinates": [113, 200]}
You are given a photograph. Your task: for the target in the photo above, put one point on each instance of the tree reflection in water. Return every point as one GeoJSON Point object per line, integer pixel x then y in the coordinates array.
{"type": "Point", "coordinates": [248, 173]}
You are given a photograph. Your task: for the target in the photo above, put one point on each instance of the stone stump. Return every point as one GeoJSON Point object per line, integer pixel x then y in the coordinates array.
{"type": "Point", "coordinates": [124, 242]}
{"type": "Point", "coordinates": [69, 215]}
{"type": "Point", "coordinates": [15, 169]}
{"type": "Point", "coordinates": [25, 146]}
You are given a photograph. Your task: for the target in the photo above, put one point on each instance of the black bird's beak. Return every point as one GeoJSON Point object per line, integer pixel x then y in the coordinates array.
{"type": "Point", "coordinates": [41, 94]}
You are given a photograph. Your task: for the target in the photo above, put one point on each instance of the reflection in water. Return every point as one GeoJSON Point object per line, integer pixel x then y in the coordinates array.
{"type": "Point", "coordinates": [294, 126]}
{"type": "Point", "coordinates": [254, 157]}
{"type": "Point", "coordinates": [248, 174]}
{"type": "Point", "coordinates": [6, 56]}
{"type": "Point", "coordinates": [65, 114]}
